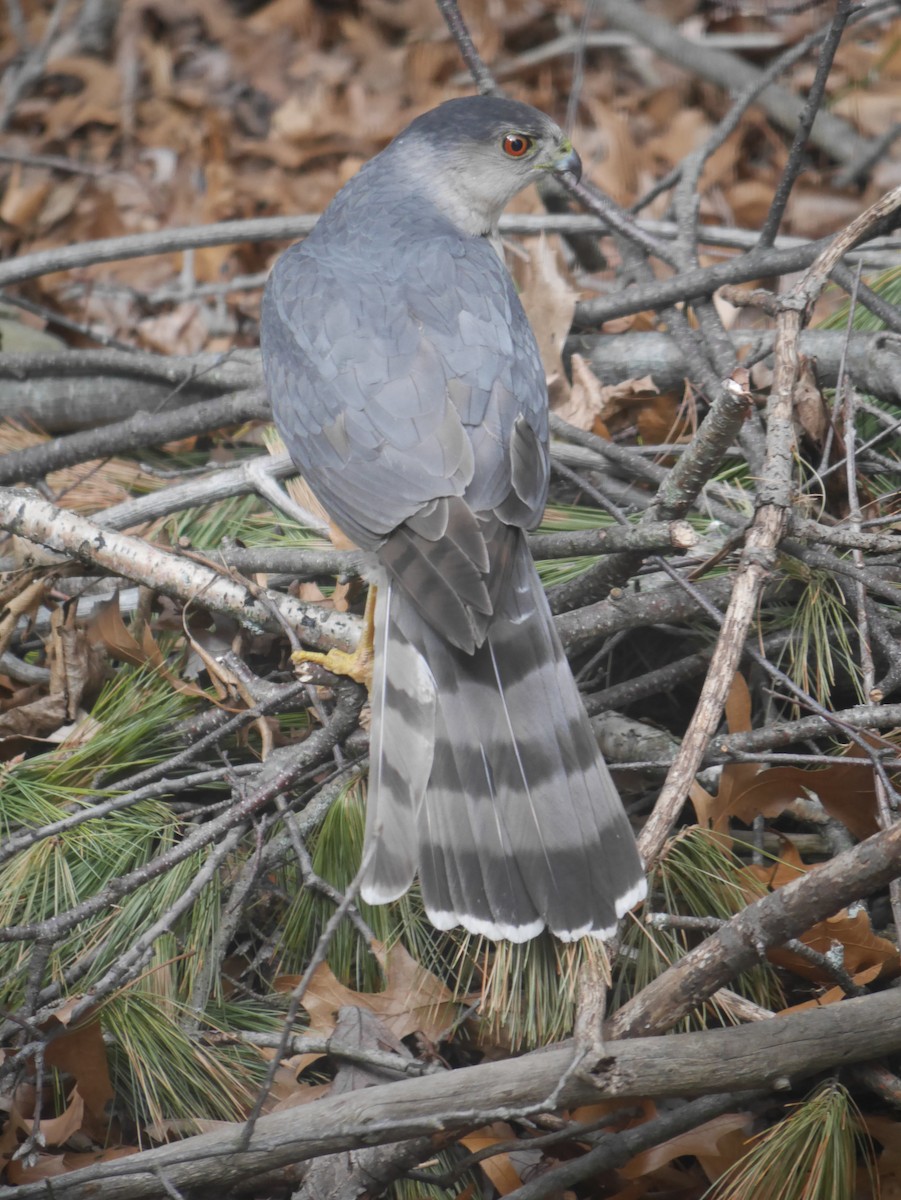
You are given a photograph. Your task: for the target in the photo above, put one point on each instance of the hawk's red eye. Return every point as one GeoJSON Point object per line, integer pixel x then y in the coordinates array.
{"type": "Point", "coordinates": [517, 144]}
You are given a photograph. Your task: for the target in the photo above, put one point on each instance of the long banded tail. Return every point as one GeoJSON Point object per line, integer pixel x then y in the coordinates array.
{"type": "Point", "coordinates": [486, 776]}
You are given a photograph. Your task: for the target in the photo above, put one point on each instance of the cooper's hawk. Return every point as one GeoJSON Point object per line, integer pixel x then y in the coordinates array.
{"type": "Point", "coordinates": [408, 388]}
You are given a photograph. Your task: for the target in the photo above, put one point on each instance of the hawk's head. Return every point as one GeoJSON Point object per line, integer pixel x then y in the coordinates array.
{"type": "Point", "coordinates": [472, 155]}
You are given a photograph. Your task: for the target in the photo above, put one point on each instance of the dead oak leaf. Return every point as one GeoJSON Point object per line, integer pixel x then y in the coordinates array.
{"type": "Point", "coordinates": [55, 1131]}
{"type": "Point", "coordinates": [76, 669]}
{"type": "Point", "coordinates": [182, 331]}
{"type": "Point", "coordinates": [713, 812]}
{"type": "Point", "coordinates": [717, 1145]}
{"type": "Point", "coordinates": [500, 1168]}
{"type": "Point", "coordinates": [585, 403]}
{"type": "Point", "coordinates": [549, 301]}
{"type": "Point", "coordinates": [413, 1000]}
{"type": "Point", "coordinates": [833, 995]}
{"type": "Point", "coordinates": [811, 413]}
{"type": "Point", "coordinates": [107, 628]}
{"type": "Point", "coordinates": [99, 99]}
{"type": "Point", "coordinates": [81, 1053]}
{"type": "Point", "coordinates": [23, 199]}
{"type": "Point", "coordinates": [49, 1166]}
{"type": "Point", "coordinates": [846, 791]}
{"type": "Point", "coordinates": [863, 951]}
{"type": "Point", "coordinates": [749, 790]}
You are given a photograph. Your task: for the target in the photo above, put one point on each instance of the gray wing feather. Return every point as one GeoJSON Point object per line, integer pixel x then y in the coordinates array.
{"type": "Point", "coordinates": [405, 386]}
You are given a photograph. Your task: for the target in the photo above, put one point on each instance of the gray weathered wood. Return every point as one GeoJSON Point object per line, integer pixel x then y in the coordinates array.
{"type": "Point", "coordinates": [772, 1053]}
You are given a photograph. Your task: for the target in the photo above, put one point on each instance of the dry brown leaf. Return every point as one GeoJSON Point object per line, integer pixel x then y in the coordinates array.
{"type": "Point", "coordinates": [56, 1131]}
{"type": "Point", "coordinates": [340, 593]}
{"type": "Point", "coordinates": [722, 166]}
{"type": "Point", "coordinates": [81, 1053]}
{"type": "Point", "coordinates": [686, 129]}
{"type": "Point", "coordinates": [713, 812]}
{"type": "Point", "coordinates": [47, 1166]}
{"type": "Point", "coordinates": [21, 597]}
{"type": "Point", "coordinates": [834, 995]}
{"type": "Point", "coordinates": [413, 1000]}
{"type": "Point", "coordinates": [50, 1165]}
{"type": "Point", "coordinates": [415, 18]}
{"type": "Point", "coordinates": [873, 109]}
{"type": "Point", "coordinates": [360, 1029]}
{"type": "Point", "coordinates": [811, 412]}
{"type": "Point", "coordinates": [657, 417]}
{"type": "Point", "coordinates": [587, 1114]}
{"type": "Point", "coordinates": [300, 117]}
{"type": "Point", "coordinates": [585, 402]}
{"type": "Point", "coordinates": [738, 705]}
{"type": "Point", "coordinates": [717, 1145]}
{"type": "Point", "coordinates": [549, 301]}
{"type": "Point", "coordinates": [886, 1130]}
{"type": "Point", "coordinates": [646, 321]}
{"type": "Point", "coordinates": [865, 955]}
{"type": "Point", "coordinates": [61, 203]}
{"type": "Point", "coordinates": [208, 646]}
{"type": "Point", "coordinates": [63, 1014]}
{"type": "Point", "coordinates": [862, 949]}
{"type": "Point", "coordinates": [89, 486]}
{"type": "Point", "coordinates": [846, 792]}
{"type": "Point", "coordinates": [748, 790]}
{"type": "Point", "coordinates": [819, 212]}
{"type": "Point", "coordinates": [76, 670]}
{"type": "Point", "coordinates": [9, 1136]}
{"type": "Point", "coordinates": [283, 16]}
{"type": "Point", "coordinates": [708, 813]}
{"type": "Point", "coordinates": [632, 402]}
{"type": "Point", "coordinates": [107, 628]}
{"type": "Point", "coordinates": [750, 201]}
{"type": "Point", "coordinates": [184, 330]}
{"type": "Point", "coordinates": [609, 150]}
{"type": "Point", "coordinates": [499, 1168]}
{"type": "Point", "coordinates": [311, 593]}
{"type": "Point", "coordinates": [775, 874]}
{"type": "Point", "coordinates": [35, 720]}
{"type": "Point", "coordinates": [97, 100]}
{"type": "Point", "coordinates": [22, 201]}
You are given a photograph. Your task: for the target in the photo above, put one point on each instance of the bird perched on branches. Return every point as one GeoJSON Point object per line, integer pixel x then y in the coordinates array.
{"type": "Point", "coordinates": [407, 385]}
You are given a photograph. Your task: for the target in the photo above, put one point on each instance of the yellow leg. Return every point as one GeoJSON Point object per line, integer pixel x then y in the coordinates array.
{"type": "Point", "coordinates": [358, 665]}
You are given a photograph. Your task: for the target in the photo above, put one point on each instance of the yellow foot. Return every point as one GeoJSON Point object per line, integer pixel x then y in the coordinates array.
{"type": "Point", "coordinates": [356, 666]}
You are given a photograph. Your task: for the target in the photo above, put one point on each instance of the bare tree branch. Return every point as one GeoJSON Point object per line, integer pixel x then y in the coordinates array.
{"type": "Point", "coordinates": [34, 519]}
{"type": "Point", "coordinates": [765, 1054]}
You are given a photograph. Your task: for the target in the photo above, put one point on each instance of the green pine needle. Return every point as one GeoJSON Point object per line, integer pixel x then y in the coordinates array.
{"type": "Point", "coordinates": [697, 876]}
{"type": "Point", "coordinates": [812, 1154]}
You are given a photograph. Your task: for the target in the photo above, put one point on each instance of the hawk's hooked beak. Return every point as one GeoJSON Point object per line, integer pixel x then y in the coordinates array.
{"type": "Point", "coordinates": [570, 163]}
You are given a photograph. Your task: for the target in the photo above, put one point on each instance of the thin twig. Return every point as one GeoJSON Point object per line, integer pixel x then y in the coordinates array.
{"type": "Point", "coordinates": [812, 105]}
